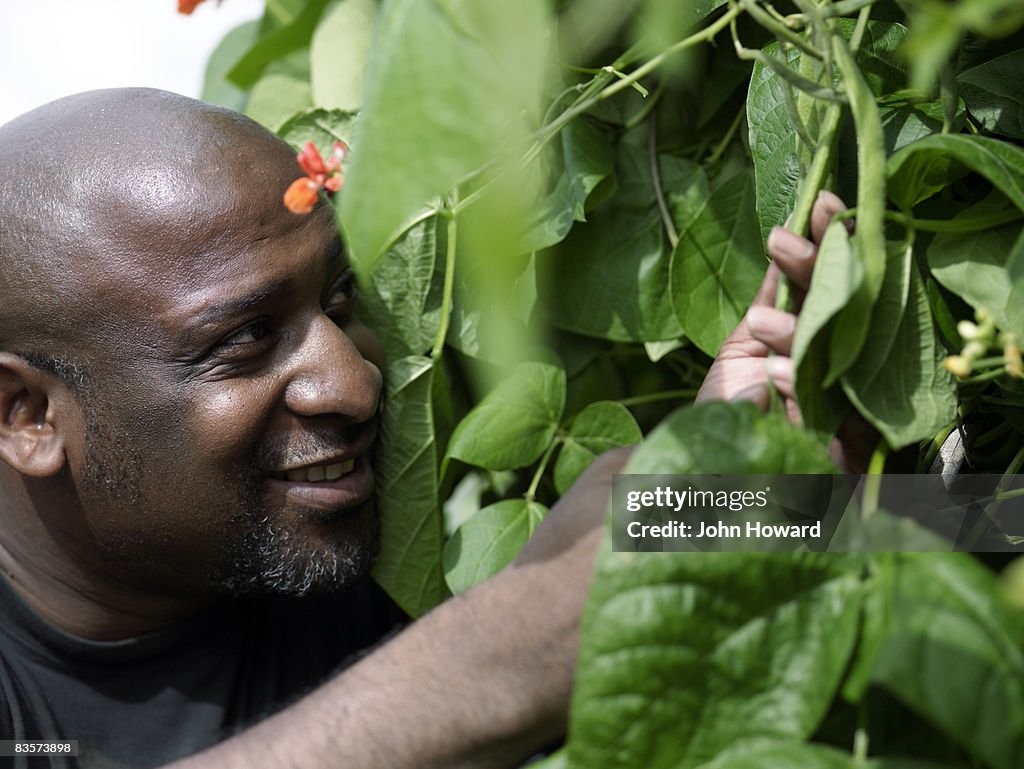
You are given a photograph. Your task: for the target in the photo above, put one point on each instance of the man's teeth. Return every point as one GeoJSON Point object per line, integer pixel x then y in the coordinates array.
{"type": "Point", "coordinates": [316, 474]}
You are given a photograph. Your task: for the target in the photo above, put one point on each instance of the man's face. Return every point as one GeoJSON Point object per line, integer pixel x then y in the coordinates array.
{"type": "Point", "coordinates": [232, 407]}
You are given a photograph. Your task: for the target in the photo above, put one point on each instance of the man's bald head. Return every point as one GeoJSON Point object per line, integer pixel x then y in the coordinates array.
{"type": "Point", "coordinates": [146, 251]}
{"type": "Point", "coordinates": [88, 180]}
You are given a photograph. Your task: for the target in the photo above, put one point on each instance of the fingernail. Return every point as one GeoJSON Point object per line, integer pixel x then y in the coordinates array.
{"type": "Point", "coordinates": [832, 202]}
{"type": "Point", "coordinates": [756, 319]}
{"type": "Point", "coordinates": [788, 244]}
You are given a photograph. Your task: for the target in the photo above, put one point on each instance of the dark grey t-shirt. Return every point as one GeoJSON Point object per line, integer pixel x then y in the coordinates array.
{"type": "Point", "coordinates": [144, 702]}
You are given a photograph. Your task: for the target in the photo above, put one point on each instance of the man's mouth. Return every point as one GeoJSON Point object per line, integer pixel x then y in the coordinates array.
{"type": "Point", "coordinates": [317, 473]}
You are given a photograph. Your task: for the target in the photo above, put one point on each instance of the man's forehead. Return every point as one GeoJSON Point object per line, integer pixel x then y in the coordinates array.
{"type": "Point", "coordinates": [178, 281]}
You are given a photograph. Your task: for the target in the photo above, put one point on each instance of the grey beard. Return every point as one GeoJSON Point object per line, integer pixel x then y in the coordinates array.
{"type": "Point", "coordinates": [268, 559]}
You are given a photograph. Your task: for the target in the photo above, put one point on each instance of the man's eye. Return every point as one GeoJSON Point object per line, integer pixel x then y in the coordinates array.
{"type": "Point", "coordinates": [342, 299]}
{"type": "Point", "coordinates": [249, 334]}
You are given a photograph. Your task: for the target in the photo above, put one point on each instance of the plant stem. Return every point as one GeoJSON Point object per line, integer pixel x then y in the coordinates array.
{"type": "Point", "coordinates": [972, 224]}
{"type": "Point", "coordinates": [717, 153]}
{"type": "Point", "coordinates": [539, 473]}
{"type": "Point", "coordinates": [659, 194]}
{"type": "Point", "coordinates": [664, 395]}
{"type": "Point", "coordinates": [781, 31]}
{"type": "Point", "coordinates": [872, 481]}
{"type": "Point", "coordinates": [449, 285]}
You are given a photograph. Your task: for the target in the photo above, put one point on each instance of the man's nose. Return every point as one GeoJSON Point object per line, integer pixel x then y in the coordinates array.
{"type": "Point", "coordinates": [332, 376]}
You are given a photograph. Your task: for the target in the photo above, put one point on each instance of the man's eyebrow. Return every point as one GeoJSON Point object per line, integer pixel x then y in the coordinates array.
{"type": "Point", "coordinates": [234, 307]}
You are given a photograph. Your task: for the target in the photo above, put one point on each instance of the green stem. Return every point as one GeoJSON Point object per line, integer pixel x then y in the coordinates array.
{"type": "Point", "coordinates": [449, 286]}
{"type": "Point", "coordinates": [659, 194]}
{"type": "Point", "coordinates": [970, 224]}
{"type": "Point", "coordinates": [590, 99]}
{"type": "Point", "coordinates": [717, 153]}
{"type": "Point", "coordinates": [824, 93]}
{"type": "Point", "coordinates": [664, 395]}
{"type": "Point", "coordinates": [531, 492]}
{"type": "Point", "coordinates": [873, 480]}
{"type": "Point", "coordinates": [781, 31]}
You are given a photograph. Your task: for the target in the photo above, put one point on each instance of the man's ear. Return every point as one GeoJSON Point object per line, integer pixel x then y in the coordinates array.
{"type": "Point", "coordinates": [31, 418]}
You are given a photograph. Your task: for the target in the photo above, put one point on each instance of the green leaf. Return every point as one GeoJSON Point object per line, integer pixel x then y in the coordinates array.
{"type": "Point", "coordinates": [773, 148]}
{"type": "Point", "coordinates": [597, 428]}
{"type": "Point", "coordinates": [320, 126]}
{"type": "Point", "coordinates": [955, 653]}
{"type": "Point", "coordinates": [992, 92]}
{"type": "Point", "coordinates": [589, 160]}
{"type": "Point", "coordinates": [402, 301]}
{"type": "Point", "coordinates": [786, 755]}
{"type": "Point", "coordinates": [837, 276]}
{"type": "Point", "coordinates": [898, 383]}
{"type": "Point", "coordinates": [338, 53]}
{"type": "Point", "coordinates": [216, 88]}
{"type": "Point", "coordinates": [489, 541]}
{"type": "Point", "coordinates": [409, 564]}
{"type": "Point", "coordinates": [450, 84]}
{"type": "Point", "coordinates": [282, 92]}
{"type": "Point", "coordinates": [684, 655]}
{"type": "Point", "coordinates": [907, 122]}
{"type": "Point", "coordinates": [276, 44]}
{"type": "Point", "coordinates": [704, 439]}
{"type": "Point", "coordinates": [974, 265]}
{"type": "Point", "coordinates": [609, 278]}
{"type": "Point", "coordinates": [513, 425]}
{"type": "Point", "coordinates": [718, 264]}
{"type": "Point", "coordinates": [923, 168]}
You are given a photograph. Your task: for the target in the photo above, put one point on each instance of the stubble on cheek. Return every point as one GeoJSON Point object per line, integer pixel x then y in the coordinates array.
{"type": "Point", "coordinates": [292, 551]}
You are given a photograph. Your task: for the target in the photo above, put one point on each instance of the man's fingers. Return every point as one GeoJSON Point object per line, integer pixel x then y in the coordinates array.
{"type": "Point", "coordinates": [826, 206]}
{"type": "Point", "coordinates": [769, 287]}
{"type": "Point", "coordinates": [794, 255]}
{"type": "Point", "coordinates": [780, 371]}
{"type": "Point", "coordinates": [774, 328]}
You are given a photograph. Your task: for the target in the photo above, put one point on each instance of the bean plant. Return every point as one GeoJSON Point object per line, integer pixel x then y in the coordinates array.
{"type": "Point", "coordinates": [558, 212]}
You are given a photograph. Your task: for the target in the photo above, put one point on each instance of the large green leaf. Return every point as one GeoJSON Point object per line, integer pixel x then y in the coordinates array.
{"type": "Point", "coordinates": [216, 88]}
{"type": "Point", "coordinates": [974, 266]}
{"type": "Point", "coordinates": [898, 383]}
{"type": "Point", "coordinates": [402, 301]}
{"type": "Point", "coordinates": [993, 93]}
{"type": "Point", "coordinates": [686, 655]}
{"type": "Point", "coordinates": [320, 126]}
{"type": "Point", "coordinates": [409, 564]}
{"type": "Point", "coordinates": [773, 146]}
{"type": "Point", "coordinates": [600, 426]}
{"type": "Point", "coordinates": [732, 438]}
{"type": "Point", "coordinates": [282, 92]}
{"type": "Point", "coordinates": [785, 755]}
{"type": "Point", "coordinates": [609, 278]}
{"type": "Point", "coordinates": [338, 53]}
{"type": "Point", "coordinates": [277, 42]}
{"type": "Point", "coordinates": [923, 168]}
{"type": "Point", "coordinates": [489, 541]}
{"type": "Point", "coordinates": [513, 425]}
{"type": "Point", "coordinates": [772, 137]}
{"type": "Point", "coordinates": [718, 264]}
{"type": "Point", "coordinates": [955, 653]}
{"type": "Point", "coordinates": [450, 85]}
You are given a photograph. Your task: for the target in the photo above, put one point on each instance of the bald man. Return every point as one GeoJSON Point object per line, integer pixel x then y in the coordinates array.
{"type": "Point", "coordinates": [188, 402]}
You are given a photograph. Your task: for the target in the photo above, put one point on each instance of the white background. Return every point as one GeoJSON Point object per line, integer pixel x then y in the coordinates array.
{"type": "Point", "coordinates": [53, 48]}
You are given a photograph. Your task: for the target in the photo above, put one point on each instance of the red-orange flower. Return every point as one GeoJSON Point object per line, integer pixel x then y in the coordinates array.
{"type": "Point", "coordinates": [302, 194]}
{"type": "Point", "coordinates": [187, 6]}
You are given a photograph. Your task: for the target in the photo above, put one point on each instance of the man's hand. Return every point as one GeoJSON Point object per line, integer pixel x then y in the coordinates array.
{"type": "Point", "coordinates": [745, 367]}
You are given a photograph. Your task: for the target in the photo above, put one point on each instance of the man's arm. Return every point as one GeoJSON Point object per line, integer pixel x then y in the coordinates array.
{"type": "Point", "coordinates": [482, 681]}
